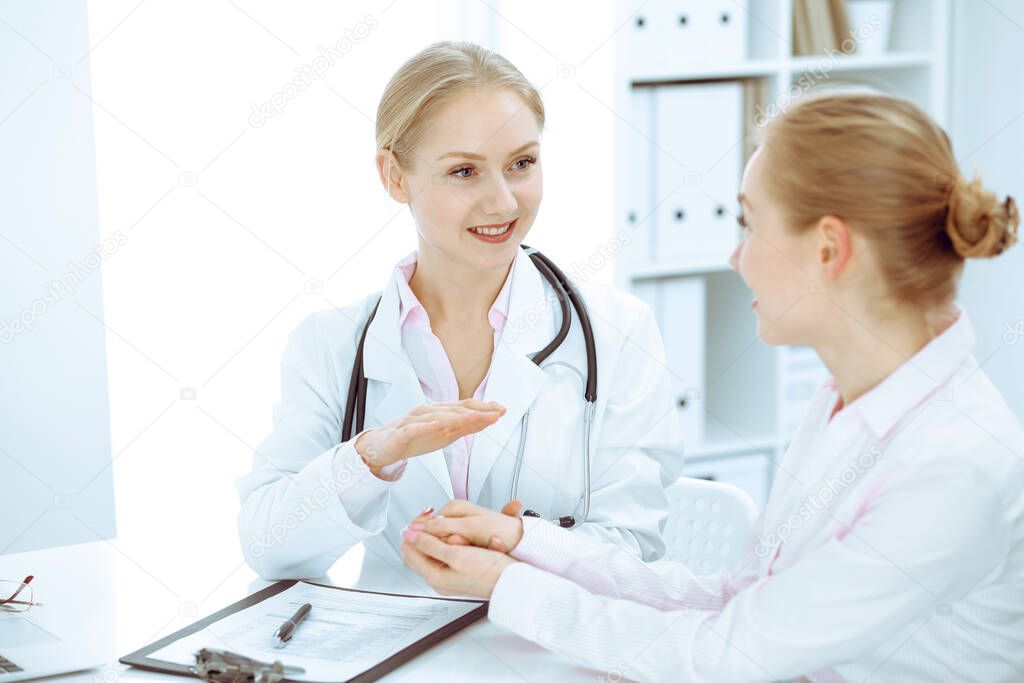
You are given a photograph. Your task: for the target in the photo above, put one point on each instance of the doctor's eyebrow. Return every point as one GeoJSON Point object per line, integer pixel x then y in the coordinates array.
{"type": "Point", "coordinates": [742, 199]}
{"type": "Point", "coordinates": [479, 157]}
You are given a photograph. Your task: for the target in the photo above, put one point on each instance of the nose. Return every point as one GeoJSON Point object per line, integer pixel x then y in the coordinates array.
{"type": "Point", "coordinates": [734, 257]}
{"type": "Point", "coordinates": [499, 200]}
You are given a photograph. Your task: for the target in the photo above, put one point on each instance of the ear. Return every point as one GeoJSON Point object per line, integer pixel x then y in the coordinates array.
{"type": "Point", "coordinates": [391, 176]}
{"type": "Point", "coordinates": [835, 248]}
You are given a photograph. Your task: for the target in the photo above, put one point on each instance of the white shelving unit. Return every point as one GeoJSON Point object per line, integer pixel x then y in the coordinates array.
{"type": "Point", "coordinates": [679, 68]}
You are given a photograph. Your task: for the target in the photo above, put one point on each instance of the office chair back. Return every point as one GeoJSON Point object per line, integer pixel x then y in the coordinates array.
{"type": "Point", "coordinates": [709, 524]}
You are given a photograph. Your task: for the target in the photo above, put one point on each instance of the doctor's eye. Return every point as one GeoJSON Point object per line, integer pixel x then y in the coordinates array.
{"type": "Point", "coordinates": [456, 173]}
{"type": "Point", "coordinates": [529, 161]}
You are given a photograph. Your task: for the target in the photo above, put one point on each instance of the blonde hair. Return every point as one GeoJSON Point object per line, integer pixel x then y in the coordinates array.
{"type": "Point", "coordinates": [434, 77]}
{"type": "Point", "coordinates": [885, 168]}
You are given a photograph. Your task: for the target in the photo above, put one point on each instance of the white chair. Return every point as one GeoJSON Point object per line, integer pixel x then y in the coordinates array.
{"type": "Point", "coordinates": [709, 524]}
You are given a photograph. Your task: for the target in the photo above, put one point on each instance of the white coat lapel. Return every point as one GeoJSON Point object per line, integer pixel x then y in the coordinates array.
{"type": "Point", "coordinates": [514, 380]}
{"type": "Point", "coordinates": [385, 361]}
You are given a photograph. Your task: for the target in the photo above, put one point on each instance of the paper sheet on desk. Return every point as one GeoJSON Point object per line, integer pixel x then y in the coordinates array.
{"type": "Point", "coordinates": [345, 633]}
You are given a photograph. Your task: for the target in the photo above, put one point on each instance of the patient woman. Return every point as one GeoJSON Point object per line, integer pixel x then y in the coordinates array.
{"type": "Point", "coordinates": [856, 224]}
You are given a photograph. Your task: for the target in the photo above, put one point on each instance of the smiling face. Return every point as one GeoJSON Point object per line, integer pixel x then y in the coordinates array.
{"type": "Point", "coordinates": [779, 264]}
{"type": "Point", "coordinates": [475, 170]}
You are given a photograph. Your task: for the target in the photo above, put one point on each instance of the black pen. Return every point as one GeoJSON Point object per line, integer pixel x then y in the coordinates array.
{"type": "Point", "coordinates": [284, 632]}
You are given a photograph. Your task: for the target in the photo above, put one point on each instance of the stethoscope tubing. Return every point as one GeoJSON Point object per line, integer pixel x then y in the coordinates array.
{"type": "Point", "coordinates": [565, 292]}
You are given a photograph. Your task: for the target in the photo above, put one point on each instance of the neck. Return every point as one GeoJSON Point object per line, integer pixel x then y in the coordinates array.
{"type": "Point", "coordinates": [864, 347]}
{"type": "Point", "coordinates": [450, 292]}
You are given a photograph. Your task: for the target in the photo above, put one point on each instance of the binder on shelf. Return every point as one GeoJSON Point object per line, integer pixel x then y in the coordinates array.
{"type": "Point", "coordinates": [698, 162]}
{"type": "Point", "coordinates": [841, 26]}
{"type": "Point", "coordinates": [640, 158]}
{"type": "Point", "coordinates": [871, 23]}
{"type": "Point", "coordinates": [679, 307]}
{"type": "Point", "coordinates": [669, 37]}
{"type": "Point", "coordinates": [821, 26]}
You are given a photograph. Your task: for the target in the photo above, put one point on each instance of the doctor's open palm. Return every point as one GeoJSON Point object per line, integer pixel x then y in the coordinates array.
{"type": "Point", "coordinates": [424, 429]}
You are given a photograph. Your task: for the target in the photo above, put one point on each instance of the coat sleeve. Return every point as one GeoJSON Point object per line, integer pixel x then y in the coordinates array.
{"type": "Point", "coordinates": [309, 498]}
{"type": "Point", "coordinates": [638, 449]}
{"type": "Point", "coordinates": [877, 584]}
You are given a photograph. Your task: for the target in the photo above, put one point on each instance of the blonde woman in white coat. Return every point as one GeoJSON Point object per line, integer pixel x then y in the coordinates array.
{"type": "Point", "coordinates": [447, 357]}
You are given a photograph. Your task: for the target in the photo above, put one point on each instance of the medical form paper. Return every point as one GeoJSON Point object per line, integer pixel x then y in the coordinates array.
{"type": "Point", "coordinates": [346, 632]}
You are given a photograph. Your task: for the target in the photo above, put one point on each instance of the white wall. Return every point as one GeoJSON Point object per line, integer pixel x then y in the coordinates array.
{"type": "Point", "coordinates": [55, 474]}
{"type": "Point", "coordinates": [987, 128]}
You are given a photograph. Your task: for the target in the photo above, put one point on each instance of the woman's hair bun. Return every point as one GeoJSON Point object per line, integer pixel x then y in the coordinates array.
{"type": "Point", "coordinates": [978, 224]}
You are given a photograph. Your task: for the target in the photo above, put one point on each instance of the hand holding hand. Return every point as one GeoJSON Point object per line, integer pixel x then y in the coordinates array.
{"type": "Point", "coordinates": [460, 522]}
{"type": "Point", "coordinates": [453, 569]}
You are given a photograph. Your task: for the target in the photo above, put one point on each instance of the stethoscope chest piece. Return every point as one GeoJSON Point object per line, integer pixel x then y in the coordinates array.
{"type": "Point", "coordinates": [566, 521]}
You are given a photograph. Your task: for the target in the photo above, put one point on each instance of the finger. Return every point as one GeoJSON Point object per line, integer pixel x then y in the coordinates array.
{"type": "Point", "coordinates": [513, 508]}
{"type": "Point", "coordinates": [474, 415]}
{"type": "Point", "coordinates": [498, 545]}
{"type": "Point", "coordinates": [458, 508]}
{"type": "Point", "coordinates": [431, 546]}
{"type": "Point", "coordinates": [426, 416]}
{"type": "Point", "coordinates": [461, 407]}
{"type": "Point", "coordinates": [456, 426]}
{"type": "Point", "coordinates": [457, 539]}
{"type": "Point", "coordinates": [475, 422]}
{"type": "Point", "coordinates": [455, 411]}
{"type": "Point", "coordinates": [433, 412]}
{"type": "Point", "coordinates": [481, 405]}
{"type": "Point", "coordinates": [411, 556]}
{"type": "Point", "coordinates": [442, 527]}
{"type": "Point", "coordinates": [425, 566]}
{"type": "Point", "coordinates": [428, 513]}
{"type": "Point", "coordinates": [463, 420]}
{"type": "Point", "coordinates": [453, 408]}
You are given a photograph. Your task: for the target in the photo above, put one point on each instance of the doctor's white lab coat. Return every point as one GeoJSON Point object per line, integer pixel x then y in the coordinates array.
{"type": "Point", "coordinates": [310, 497]}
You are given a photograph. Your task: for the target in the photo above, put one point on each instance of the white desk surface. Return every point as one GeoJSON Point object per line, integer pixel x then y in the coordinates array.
{"type": "Point", "coordinates": [127, 605]}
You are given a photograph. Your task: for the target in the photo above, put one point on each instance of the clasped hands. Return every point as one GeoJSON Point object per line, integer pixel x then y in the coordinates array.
{"type": "Point", "coordinates": [462, 549]}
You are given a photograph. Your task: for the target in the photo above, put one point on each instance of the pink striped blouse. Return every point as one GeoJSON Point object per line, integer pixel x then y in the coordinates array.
{"type": "Point", "coordinates": [891, 549]}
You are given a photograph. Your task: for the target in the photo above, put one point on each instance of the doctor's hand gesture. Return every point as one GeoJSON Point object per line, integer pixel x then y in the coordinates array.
{"type": "Point", "coordinates": [424, 429]}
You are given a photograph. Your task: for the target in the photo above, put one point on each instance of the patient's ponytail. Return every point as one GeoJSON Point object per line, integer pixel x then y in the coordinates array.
{"type": "Point", "coordinates": [978, 224]}
{"type": "Point", "coordinates": [888, 170]}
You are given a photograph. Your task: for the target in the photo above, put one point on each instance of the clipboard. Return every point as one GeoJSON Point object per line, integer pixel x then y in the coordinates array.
{"type": "Point", "coordinates": [140, 659]}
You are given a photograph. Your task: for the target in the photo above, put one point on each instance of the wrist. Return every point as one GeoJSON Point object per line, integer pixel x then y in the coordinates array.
{"type": "Point", "coordinates": [368, 452]}
{"type": "Point", "coordinates": [515, 533]}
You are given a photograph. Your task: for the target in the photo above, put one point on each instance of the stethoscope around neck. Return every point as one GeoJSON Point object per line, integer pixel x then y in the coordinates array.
{"type": "Point", "coordinates": [566, 293]}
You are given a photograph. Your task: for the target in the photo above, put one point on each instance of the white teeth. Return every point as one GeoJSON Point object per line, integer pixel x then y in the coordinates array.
{"type": "Point", "coordinates": [492, 231]}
